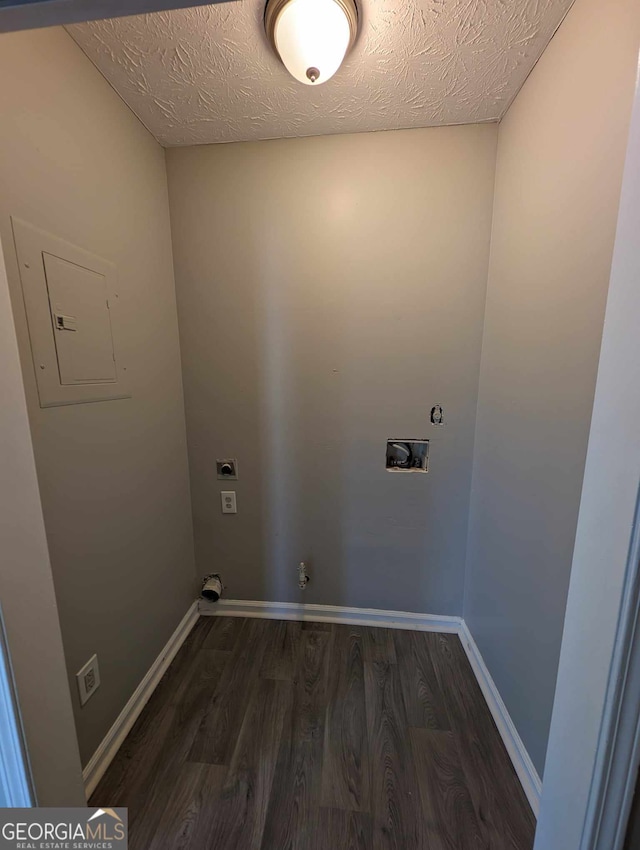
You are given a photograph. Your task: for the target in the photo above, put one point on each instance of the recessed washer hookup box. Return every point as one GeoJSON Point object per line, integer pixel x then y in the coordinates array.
{"type": "Point", "coordinates": [407, 455]}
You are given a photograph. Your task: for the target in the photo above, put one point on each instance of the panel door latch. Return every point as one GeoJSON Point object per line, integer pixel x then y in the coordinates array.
{"type": "Point", "coordinates": [65, 323]}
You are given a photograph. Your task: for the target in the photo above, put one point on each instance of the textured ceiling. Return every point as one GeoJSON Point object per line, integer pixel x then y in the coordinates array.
{"type": "Point", "coordinates": [207, 74]}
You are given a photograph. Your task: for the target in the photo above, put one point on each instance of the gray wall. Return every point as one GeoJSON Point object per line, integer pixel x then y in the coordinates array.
{"type": "Point", "coordinates": [602, 575]}
{"type": "Point", "coordinates": [330, 290]}
{"type": "Point", "coordinates": [560, 157]}
{"type": "Point", "coordinates": [113, 475]}
{"type": "Point", "coordinates": [30, 619]}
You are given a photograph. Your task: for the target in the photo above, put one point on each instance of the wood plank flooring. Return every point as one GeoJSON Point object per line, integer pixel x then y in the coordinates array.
{"type": "Point", "coordinates": [273, 735]}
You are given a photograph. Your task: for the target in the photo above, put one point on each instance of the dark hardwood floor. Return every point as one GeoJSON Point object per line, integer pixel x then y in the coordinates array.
{"type": "Point", "coordinates": [273, 735]}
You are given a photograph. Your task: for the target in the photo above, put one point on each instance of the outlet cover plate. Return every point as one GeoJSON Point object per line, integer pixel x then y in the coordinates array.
{"type": "Point", "coordinates": [229, 504]}
{"type": "Point", "coordinates": [88, 678]}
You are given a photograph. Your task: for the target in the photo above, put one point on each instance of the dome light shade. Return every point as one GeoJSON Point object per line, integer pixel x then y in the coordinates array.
{"type": "Point", "coordinates": [311, 37]}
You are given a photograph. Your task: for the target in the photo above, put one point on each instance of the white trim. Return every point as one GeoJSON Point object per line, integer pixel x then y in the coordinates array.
{"type": "Point", "coordinates": [331, 614]}
{"type": "Point", "coordinates": [527, 774]}
{"type": "Point", "coordinates": [112, 741]}
{"type": "Point", "coordinates": [618, 754]}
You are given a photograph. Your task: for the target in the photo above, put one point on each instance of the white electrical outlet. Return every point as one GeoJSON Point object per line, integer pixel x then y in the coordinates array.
{"type": "Point", "coordinates": [88, 678]}
{"type": "Point", "coordinates": [228, 499]}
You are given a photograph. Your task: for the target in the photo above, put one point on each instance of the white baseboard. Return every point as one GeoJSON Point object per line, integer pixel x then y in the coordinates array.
{"type": "Point", "coordinates": [103, 756]}
{"type": "Point", "coordinates": [331, 614]}
{"type": "Point", "coordinates": [520, 758]}
{"type": "Point", "coordinates": [522, 763]}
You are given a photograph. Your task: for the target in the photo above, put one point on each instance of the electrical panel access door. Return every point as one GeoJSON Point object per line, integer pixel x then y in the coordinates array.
{"type": "Point", "coordinates": [81, 323]}
{"type": "Point", "coordinates": [72, 311]}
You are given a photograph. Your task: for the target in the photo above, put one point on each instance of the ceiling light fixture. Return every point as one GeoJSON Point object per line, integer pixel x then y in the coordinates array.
{"type": "Point", "coordinates": [311, 37]}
